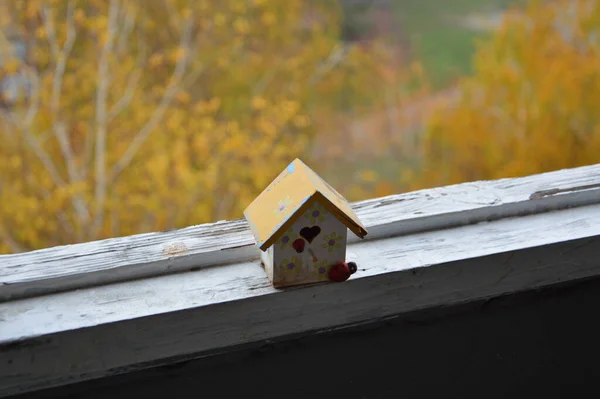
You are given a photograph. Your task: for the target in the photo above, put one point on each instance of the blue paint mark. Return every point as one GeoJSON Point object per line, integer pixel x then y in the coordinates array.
{"type": "Point", "coordinates": [290, 168]}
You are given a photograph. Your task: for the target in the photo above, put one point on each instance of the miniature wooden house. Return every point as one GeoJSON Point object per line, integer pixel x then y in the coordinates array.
{"type": "Point", "coordinates": [300, 223]}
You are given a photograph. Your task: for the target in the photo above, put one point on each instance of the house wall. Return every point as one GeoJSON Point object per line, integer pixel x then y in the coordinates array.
{"type": "Point", "coordinates": [267, 261]}
{"type": "Point", "coordinates": [328, 248]}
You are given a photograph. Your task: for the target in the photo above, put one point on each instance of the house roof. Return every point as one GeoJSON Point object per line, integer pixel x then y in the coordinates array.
{"type": "Point", "coordinates": [288, 196]}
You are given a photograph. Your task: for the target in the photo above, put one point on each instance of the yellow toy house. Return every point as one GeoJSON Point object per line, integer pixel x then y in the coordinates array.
{"type": "Point", "coordinates": [300, 224]}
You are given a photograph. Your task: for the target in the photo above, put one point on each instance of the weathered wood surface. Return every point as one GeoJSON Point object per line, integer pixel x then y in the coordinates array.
{"type": "Point", "coordinates": [72, 336]}
{"type": "Point", "coordinates": [99, 262]}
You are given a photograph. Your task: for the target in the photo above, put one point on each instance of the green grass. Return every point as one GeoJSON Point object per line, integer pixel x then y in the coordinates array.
{"type": "Point", "coordinates": [436, 36]}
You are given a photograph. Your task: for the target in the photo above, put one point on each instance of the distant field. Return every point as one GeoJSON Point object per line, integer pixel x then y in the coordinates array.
{"type": "Point", "coordinates": [441, 34]}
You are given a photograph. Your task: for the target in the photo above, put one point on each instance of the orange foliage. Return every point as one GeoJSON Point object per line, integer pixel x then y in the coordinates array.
{"type": "Point", "coordinates": [532, 105]}
{"type": "Point", "coordinates": [114, 124]}
{"type": "Point", "coordinates": [130, 116]}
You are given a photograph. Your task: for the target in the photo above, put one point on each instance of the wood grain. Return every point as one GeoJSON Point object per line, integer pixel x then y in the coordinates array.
{"type": "Point", "coordinates": [97, 331]}
{"type": "Point", "coordinates": [145, 255]}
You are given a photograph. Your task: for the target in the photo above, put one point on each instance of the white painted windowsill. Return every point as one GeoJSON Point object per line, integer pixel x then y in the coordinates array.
{"type": "Point", "coordinates": [72, 313]}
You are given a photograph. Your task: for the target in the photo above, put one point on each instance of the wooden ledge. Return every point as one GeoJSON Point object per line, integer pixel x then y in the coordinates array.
{"type": "Point", "coordinates": [203, 289]}
{"type": "Point", "coordinates": [154, 254]}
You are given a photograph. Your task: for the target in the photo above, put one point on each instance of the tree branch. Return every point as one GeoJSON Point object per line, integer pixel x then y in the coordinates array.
{"type": "Point", "coordinates": [128, 26]}
{"type": "Point", "coordinates": [336, 55]}
{"type": "Point", "coordinates": [170, 92]}
{"type": "Point", "coordinates": [61, 59]}
{"type": "Point", "coordinates": [49, 25]}
{"type": "Point", "coordinates": [7, 238]}
{"type": "Point", "coordinates": [34, 99]}
{"type": "Point", "coordinates": [39, 152]}
{"type": "Point", "coordinates": [125, 100]}
{"type": "Point", "coordinates": [172, 16]}
{"type": "Point", "coordinates": [24, 125]}
{"type": "Point", "coordinates": [114, 218]}
{"type": "Point", "coordinates": [102, 120]}
{"type": "Point", "coordinates": [7, 47]}
{"type": "Point", "coordinates": [32, 142]}
{"type": "Point", "coordinates": [263, 82]}
{"type": "Point", "coordinates": [65, 223]}
{"type": "Point", "coordinates": [59, 128]}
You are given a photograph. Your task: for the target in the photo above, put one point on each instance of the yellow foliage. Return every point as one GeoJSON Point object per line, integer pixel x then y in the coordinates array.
{"type": "Point", "coordinates": [153, 124]}
{"type": "Point", "coordinates": [156, 60]}
{"type": "Point", "coordinates": [80, 16]}
{"type": "Point", "coordinates": [241, 25]}
{"type": "Point", "coordinates": [178, 54]}
{"type": "Point", "coordinates": [532, 104]}
{"type": "Point", "coordinates": [11, 66]}
{"type": "Point", "coordinates": [220, 19]}
{"type": "Point", "coordinates": [268, 18]}
{"type": "Point", "coordinates": [368, 175]}
{"type": "Point", "coordinates": [258, 103]}
{"type": "Point", "coordinates": [183, 97]}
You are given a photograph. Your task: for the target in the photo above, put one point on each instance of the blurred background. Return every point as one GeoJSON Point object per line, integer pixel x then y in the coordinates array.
{"type": "Point", "coordinates": [120, 117]}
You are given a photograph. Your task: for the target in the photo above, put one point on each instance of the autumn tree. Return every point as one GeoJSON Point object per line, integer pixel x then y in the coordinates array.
{"type": "Point", "coordinates": [126, 116]}
{"type": "Point", "coordinates": [533, 102]}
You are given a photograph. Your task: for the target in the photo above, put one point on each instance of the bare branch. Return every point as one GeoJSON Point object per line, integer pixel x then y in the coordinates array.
{"type": "Point", "coordinates": [25, 126]}
{"type": "Point", "coordinates": [172, 89]}
{"type": "Point", "coordinates": [6, 46]}
{"type": "Point", "coordinates": [223, 205]}
{"type": "Point", "coordinates": [88, 152]}
{"type": "Point", "coordinates": [336, 56]}
{"type": "Point", "coordinates": [135, 76]}
{"type": "Point", "coordinates": [114, 217]}
{"type": "Point", "coordinates": [49, 25]}
{"type": "Point", "coordinates": [34, 97]}
{"type": "Point", "coordinates": [34, 103]}
{"type": "Point", "coordinates": [32, 77]}
{"type": "Point", "coordinates": [44, 158]}
{"type": "Point", "coordinates": [59, 128]}
{"type": "Point", "coordinates": [78, 203]}
{"type": "Point", "coordinates": [60, 131]}
{"type": "Point", "coordinates": [122, 103]}
{"type": "Point", "coordinates": [128, 26]}
{"type": "Point", "coordinates": [32, 141]}
{"type": "Point", "coordinates": [146, 225]}
{"type": "Point", "coordinates": [263, 82]}
{"type": "Point", "coordinates": [125, 100]}
{"type": "Point", "coordinates": [132, 82]}
{"type": "Point", "coordinates": [102, 119]}
{"type": "Point", "coordinates": [172, 15]}
{"type": "Point", "coordinates": [38, 150]}
{"type": "Point", "coordinates": [11, 242]}
{"type": "Point", "coordinates": [42, 138]}
{"type": "Point", "coordinates": [192, 77]}
{"type": "Point", "coordinates": [61, 59]}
